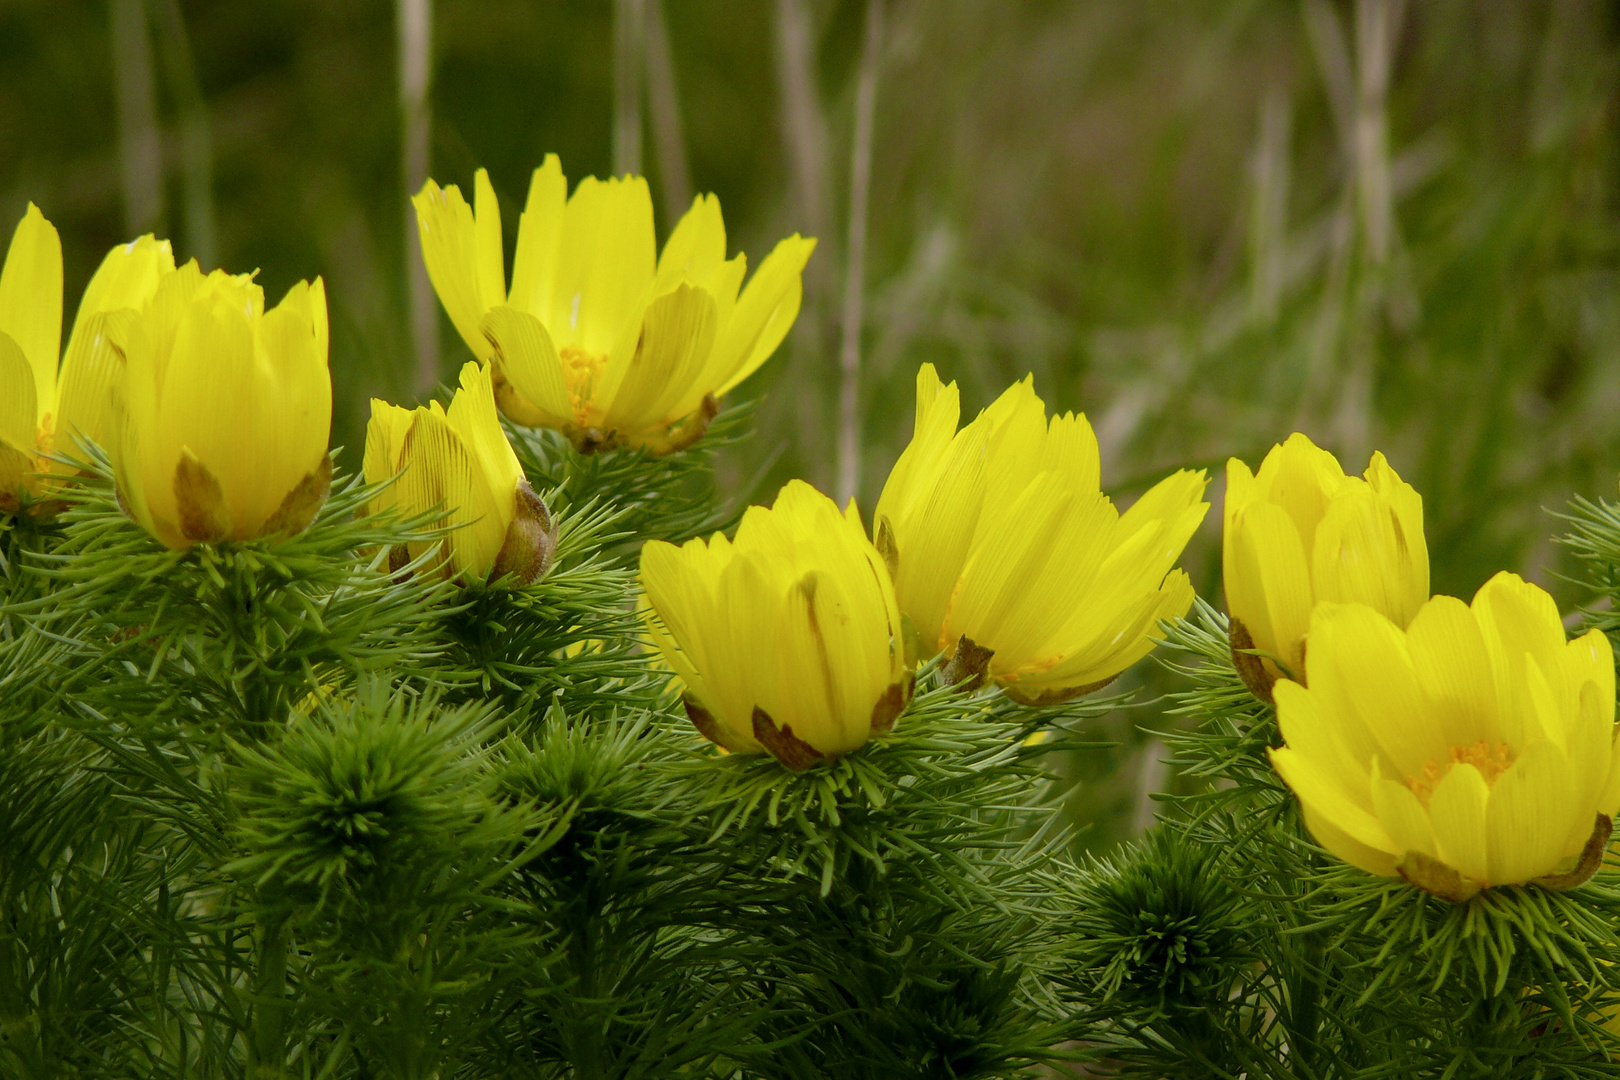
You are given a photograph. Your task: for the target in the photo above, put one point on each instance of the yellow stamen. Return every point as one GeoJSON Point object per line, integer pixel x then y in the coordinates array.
{"type": "Point", "coordinates": [1491, 759]}
{"type": "Point", "coordinates": [581, 369]}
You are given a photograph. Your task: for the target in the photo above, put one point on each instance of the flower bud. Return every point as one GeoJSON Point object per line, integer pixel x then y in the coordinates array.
{"type": "Point", "coordinates": [222, 414]}
{"type": "Point", "coordinates": [1471, 749]}
{"type": "Point", "coordinates": [1302, 532]}
{"type": "Point", "coordinates": [1008, 556]}
{"type": "Point", "coordinates": [601, 337]}
{"type": "Point", "coordinates": [787, 638]}
{"type": "Point", "coordinates": [459, 461]}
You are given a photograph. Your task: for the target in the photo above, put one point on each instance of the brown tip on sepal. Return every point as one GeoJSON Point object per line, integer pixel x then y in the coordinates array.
{"type": "Point", "coordinates": [968, 666]}
{"type": "Point", "coordinates": [200, 501]}
{"type": "Point", "coordinates": [892, 703]}
{"type": "Point", "coordinates": [531, 540]}
{"type": "Point", "coordinates": [702, 719]}
{"type": "Point", "coordinates": [1435, 877]}
{"type": "Point", "coordinates": [782, 744]}
{"type": "Point", "coordinates": [1054, 697]}
{"type": "Point", "coordinates": [1587, 864]}
{"type": "Point", "coordinates": [303, 502]}
{"type": "Point", "coordinates": [1250, 668]}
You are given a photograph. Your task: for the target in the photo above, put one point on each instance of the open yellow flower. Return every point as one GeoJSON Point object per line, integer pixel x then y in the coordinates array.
{"type": "Point", "coordinates": [787, 638]}
{"type": "Point", "coordinates": [1007, 555]}
{"type": "Point", "coordinates": [1474, 748]}
{"type": "Point", "coordinates": [1302, 532]}
{"type": "Point", "coordinates": [43, 409]}
{"type": "Point", "coordinates": [458, 459]}
{"type": "Point", "coordinates": [222, 415]}
{"type": "Point", "coordinates": [601, 337]}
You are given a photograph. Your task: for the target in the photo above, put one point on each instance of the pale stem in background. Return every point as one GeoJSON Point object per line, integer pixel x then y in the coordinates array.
{"type": "Point", "coordinates": [1268, 218]}
{"type": "Point", "coordinates": [664, 103]}
{"type": "Point", "coordinates": [629, 45]}
{"type": "Point", "coordinates": [196, 142]}
{"type": "Point", "coordinates": [415, 79]}
{"type": "Point", "coordinates": [139, 144]}
{"type": "Point", "coordinates": [860, 182]}
{"type": "Point", "coordinates": [804, 137]}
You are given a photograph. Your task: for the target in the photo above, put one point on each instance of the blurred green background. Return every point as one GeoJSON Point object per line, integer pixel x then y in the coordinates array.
{"type": "Point", "coordinates": [1205, 224]}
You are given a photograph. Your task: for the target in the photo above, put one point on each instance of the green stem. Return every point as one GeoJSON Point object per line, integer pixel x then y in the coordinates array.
{"type": "Point", "coordinates": [1307, 1000]}
{"type": "Point", "coordinates": [268, 1043]}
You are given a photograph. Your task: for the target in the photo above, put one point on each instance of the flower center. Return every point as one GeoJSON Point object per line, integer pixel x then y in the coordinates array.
{"type": "Point", "coordinates": [1491, 759]}
{"type": "Point", "coordinates": [581, 370]}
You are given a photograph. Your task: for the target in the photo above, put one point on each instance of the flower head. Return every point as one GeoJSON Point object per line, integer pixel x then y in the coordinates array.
{"type": "Point", "coordinates": [43, 409]}
{"type": "Point", "coordinates": [1302, 532]}
{"type": "Point", "coordinates": [600, 336]}
{"type": "Point", "coordinates": [458, 459]}
{"type": "Point", "coordinates": [223, 410]}
{"type": "Point", "coordinates": [1473, 748]}
{"type": "Point", "coordinates": [787, 637]}
{"type": "Point", "coordinates": [1007, 555]}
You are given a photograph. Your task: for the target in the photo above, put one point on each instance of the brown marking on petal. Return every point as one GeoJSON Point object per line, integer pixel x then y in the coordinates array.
{"type": "Point", "coordinates": [1053, 697]}
{"type": "Point", "coordinates": [887, 547]}
{"type": "Point", "coordinates": [204, 518]}
{"type": "Point", "coordinates": [892, 703]}
{"type": "Point", "coordinates": [1435, 877]}
{"type": "Point", "coordinates": [782, 744]}
{"type": "Point", "coordinates": [303, 502]}
{"type": "Point", "coordinates": [1590, 859]}
{"type": "Point", "coordinates": [968, 665]}
{"type": "Point", "coordinates": [702, 719]}
{"type": "Point", "coordinates": [1250, 668]}
{"type": "Point", "coordinates": [531, 540]}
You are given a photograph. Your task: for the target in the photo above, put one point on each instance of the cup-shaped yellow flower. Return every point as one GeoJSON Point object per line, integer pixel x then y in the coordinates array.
{"type": "Point", "coordinates": [458, 461]}
{"type": "Point", "coordinates": [1007, 555]}
{"type": "Point", "coordinates": [1301, 532]}
{"type": "Point", "coordinates": [787, 638]}
{"type": "Point", "coordinates": [600, 336]}
{"type": "Point", "coordinates": [1473, 748]}
{"type": "Point", "coordinates": [224, 409]}
{"type": "Point", "coordinates": [42, 408]}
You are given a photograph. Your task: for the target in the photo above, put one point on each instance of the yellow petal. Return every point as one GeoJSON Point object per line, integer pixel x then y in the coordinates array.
{"type": "Point", "coordinates": [1458, 808]}
{"type": "Point", "coordinates": [1517, 620]}
{"type": "Point", "coordinates": [440, 470]}
{"type": "Point", "coordinates": [695, 249]}
{"type": "Point", "coordinates": [534, 268]}
{"type": "Point", "coordinates": [1402, 816]}
{"type": "Point", "coordinates": [127, 278]}
{"type": "Point", "coordinates": [1301, 478]}
{"type": "Point", "coordinates": [452, 248]}
{"type": "Point", "coordinates": [1453, 668]}
{"type": "Point", "coordinates": [385, 441]}
{"type": "Point", "coordinates": [524, 356]}
{"type": "Point", "coordinates": [1360, 669]}
{"type": "Point", "coordinates": [1323, 795]}
{"type": "Point", "coordinates": [31, 301]}
{"type": "Point", "coordinates": [91, 370]}
{"type": "Point", "coordinates": [677, 335]}
{"type": "Point", "coordinates": [472, 416]}
{"type": "Point", "coordinates": [1531, 811]}
{"type": "Point", "coordinates": [606, 262]}
{"type": "Point", "coordinates": [1407, 507]}
{"type": "Point", "coordinates": [1270, 561]}
{"type": "Point", "coordinates": [19, 411]}
{"type": "Point", "coordinates": [765, 311]}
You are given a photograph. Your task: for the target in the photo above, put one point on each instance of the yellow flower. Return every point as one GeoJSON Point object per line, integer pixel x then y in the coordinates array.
{"type": "Point", "coordinates": [1474, 748]}
{"type": "Point", "coordinates": [787, 638]}
{"type": "Point", "coordinates": [458, 459]}
{"type": "Point", "coordinates": [1007, 555]}
{"type": "Point", "coordinates": [223, 411]}
{"type": "Point", "coordinates": [1302, 532]}
{"type": "Point", "coordinates": [41, 409]}
{"type": "Point", "coordinates": [600, 337]}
